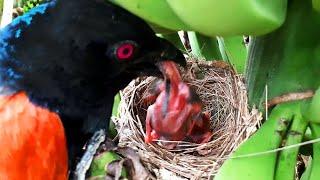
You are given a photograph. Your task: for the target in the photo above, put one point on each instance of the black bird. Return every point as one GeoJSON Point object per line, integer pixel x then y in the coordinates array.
{"type": "Point", "coordinates": [66, 59]}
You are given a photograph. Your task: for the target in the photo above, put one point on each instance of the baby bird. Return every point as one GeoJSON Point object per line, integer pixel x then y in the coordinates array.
{"type": "Point", "coordinates": [176, 113]}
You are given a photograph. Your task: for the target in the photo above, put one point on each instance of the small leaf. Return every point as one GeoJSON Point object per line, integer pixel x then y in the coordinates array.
{"type": "Point", "coordinates": [101, 161]}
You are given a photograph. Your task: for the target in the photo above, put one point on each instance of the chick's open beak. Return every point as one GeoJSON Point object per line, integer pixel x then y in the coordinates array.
{"type": "Point", "coordinates": [169, 71]}
{"type": "Point", "coordinates": [169, 56]}
{"type": "Point", "coordinates": [152, 63]}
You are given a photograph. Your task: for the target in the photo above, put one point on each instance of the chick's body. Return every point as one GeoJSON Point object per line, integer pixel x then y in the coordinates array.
{"type": "Point", "coordinates": [176, 114]}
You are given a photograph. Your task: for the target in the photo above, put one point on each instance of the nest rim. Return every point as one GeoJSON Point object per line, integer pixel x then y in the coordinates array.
{"type": "Point", "coordinates": [192, 160]}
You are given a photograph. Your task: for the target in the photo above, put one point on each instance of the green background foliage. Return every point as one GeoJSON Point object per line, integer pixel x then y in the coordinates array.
{"type": "Point", "coordinates": [1, 6]}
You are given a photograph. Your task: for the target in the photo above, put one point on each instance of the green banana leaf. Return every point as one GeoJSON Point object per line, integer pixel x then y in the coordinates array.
{"type": "Point", "coordinates": [230, 17]}
{"type": "Point", "coordinates": [288, 59]}
{"type": "Point", "coordinates": [212, 18]}
{"type": "Point", "coordinates": [157, 12]}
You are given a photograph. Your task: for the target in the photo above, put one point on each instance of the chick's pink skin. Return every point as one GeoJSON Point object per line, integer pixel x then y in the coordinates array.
{"type": "Point", "coordinates": [174, 115]}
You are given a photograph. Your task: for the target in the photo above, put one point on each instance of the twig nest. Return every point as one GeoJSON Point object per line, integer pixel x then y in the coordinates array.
{"type": "Point", "coordinates": [223, 94]}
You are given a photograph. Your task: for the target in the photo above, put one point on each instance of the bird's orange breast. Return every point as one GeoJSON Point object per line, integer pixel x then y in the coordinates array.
{"type": "Point", "coordinates": [32, 141]}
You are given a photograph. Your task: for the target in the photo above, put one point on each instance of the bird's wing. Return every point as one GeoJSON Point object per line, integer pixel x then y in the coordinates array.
{"type": "Point", "coordinates": [32, 141]}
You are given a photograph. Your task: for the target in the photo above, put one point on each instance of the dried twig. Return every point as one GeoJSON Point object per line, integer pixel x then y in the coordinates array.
{"type": "Point", "coordinates": [85, 162]}
{"type": "Point", "coordinates": [290, 97]}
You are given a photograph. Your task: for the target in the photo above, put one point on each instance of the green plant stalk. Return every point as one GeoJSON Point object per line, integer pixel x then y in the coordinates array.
{"type": "Point", "coordinates": [204, 47]}
{"type": "Point", "coordinates": [307, 172]}
{"type": "Point", "coordinates": [268, 137]}
{"type": "Point", "coordinates": [311, 109]}
{"type": "Point", "coordinates": [306, 150]}
{"type": "Point", "coordinates": [315, 168]}
{"type": "Point", "coordinates": [116, 103]}
{"type": "Point", "coordinates": [287, 159]}
{"type": "Point", "coordinates": [288, 59]}
{"type": "Point", "coordinates": [1, 8]}
{"type": "Point", "coordinates": [112, 127]}
{"type": "Point", "coordinates": [222, 49]}
{"type": "Point", "coordinates": [234, 50]}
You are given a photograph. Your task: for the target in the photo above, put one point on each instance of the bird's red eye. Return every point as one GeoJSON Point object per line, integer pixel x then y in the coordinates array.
{"type": "Point", "coordinates": [125, 51]}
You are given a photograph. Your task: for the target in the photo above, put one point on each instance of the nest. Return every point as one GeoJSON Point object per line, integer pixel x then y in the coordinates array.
{"type": "Point", "coordinates": [223, 94]}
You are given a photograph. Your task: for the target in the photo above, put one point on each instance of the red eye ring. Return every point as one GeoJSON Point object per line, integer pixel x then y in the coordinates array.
{"type": "Point", "coordinates": [125, 51]}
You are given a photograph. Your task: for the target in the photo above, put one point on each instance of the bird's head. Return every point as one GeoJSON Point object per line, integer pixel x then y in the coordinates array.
{"type": "Point", "coordinates": [145, 55]}
{"type": "Point", "coordinates": [125, 44]}
{"type": "Point", "coordinates": [80, 47]}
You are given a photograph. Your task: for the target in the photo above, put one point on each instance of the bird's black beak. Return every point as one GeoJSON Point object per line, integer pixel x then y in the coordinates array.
{"type": "Point", "coordinates": [151, 63]}
{"type": "Point", "coordinates": [170, 53]}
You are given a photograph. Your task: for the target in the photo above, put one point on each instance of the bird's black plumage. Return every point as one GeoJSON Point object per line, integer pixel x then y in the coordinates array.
{"type": "Point", "coordinates": [62, 54]}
